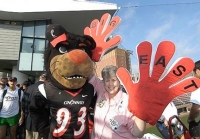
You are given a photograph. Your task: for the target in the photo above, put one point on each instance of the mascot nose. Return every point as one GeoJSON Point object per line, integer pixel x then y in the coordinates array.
{"type": "Point", "coordinates": [78, 56]}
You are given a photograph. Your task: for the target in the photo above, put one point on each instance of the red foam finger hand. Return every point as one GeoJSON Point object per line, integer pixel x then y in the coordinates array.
{"type": "Point", "coordinates": [151, 94]}
{"type": "Point", "coordinates": [125, 79]}
{"type": "Point", "coordinates": [87, 31]}
{"type": "Point", "coordinates": [100, 31]}
{"type": "Point", "coordinates": [181, 68]}
{"type": "Point", "coordinates": [145, 50]}
{"type": "Point", "coordinates": [167, 49]}
{"type": "Point", "coordinates": [186, 85]}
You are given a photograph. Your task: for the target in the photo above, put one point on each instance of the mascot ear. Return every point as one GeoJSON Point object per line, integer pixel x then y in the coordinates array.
{"type": "Point", "coordinates": [90, 42]}
{"type": "Point", "coordinates": [55, 34]}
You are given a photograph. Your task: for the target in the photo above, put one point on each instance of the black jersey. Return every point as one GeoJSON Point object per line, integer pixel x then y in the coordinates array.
{"type": "Point", "coordinates": [68, 112]}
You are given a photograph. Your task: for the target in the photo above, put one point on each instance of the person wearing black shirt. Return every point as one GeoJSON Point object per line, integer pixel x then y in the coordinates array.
{"type": "Point", "coordinates": [29, 92]}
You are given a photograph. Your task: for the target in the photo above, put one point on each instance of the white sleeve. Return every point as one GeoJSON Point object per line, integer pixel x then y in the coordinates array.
{"type": "Point", "coordinates": [195, 97]}
{"type": "Point", "coordinates": [170, 111]}
{"type": "Point", "coordinates": [1, 95]}
{"type": "Point", "coordinates": [42, 90]}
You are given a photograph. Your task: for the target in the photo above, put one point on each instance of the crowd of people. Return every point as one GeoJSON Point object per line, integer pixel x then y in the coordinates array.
{"type": "Point", "coordinates": [111, 109]}
{"type": "Point", "coordinates": [15, 120]}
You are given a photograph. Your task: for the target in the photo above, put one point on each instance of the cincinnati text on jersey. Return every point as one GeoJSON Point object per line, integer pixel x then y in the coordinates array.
{"type": "Point", "coordinates": [71, 102]}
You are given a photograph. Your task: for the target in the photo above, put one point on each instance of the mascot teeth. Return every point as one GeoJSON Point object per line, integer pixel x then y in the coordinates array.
{"type": "Point", "coordinates": [74, 77]}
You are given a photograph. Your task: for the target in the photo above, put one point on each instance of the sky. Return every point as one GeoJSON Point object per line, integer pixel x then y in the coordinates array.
{"type": "Point", "coordinates": [155, 21]}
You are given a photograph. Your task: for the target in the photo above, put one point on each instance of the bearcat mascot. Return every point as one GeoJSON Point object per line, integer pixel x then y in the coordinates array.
{"type": "Point", "coordinates": [61, 106]}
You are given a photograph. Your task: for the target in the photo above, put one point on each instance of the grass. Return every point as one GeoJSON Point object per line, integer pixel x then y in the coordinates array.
{"type": "Point", "coordinates": [154, 130]}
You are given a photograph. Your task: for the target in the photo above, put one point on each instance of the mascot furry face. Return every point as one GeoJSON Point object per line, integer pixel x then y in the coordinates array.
{"type": "Point", "coordinates": [68, 58]}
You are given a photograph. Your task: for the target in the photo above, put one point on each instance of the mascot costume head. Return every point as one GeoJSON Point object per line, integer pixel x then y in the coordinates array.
{"type": "Point", "coordinates": [68, 58]}
{"type": "Point", "coordinates": [69, 62]}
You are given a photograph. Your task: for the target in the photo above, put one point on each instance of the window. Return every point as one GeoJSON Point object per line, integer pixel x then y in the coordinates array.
{"type": "Point", "coordinates": [39, 46]}
{"type": "Point", "coordinates": [38, 62]}
{"type": "Point", "coordinates": [27, 45]}
{"type": "Point", "coordinates": [32, 46]}
{"type": "Point", "coordinates": [25, 61]}
{"type": "Point", "coordinates": [28, 29]}
{"type": "Point", "coordinates": [40, 28]}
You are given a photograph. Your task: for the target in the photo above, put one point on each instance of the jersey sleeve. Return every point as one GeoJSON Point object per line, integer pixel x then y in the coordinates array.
{"type": "Point", "coordinates": [195, 97]}
{"type": "Point", "coordinates": [39, 112]}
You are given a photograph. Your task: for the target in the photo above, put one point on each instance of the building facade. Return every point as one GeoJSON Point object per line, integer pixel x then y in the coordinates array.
{"type": "Point", "coordinates": [117, 57]}
{"type": "Point", "coordinates": [22, 30]}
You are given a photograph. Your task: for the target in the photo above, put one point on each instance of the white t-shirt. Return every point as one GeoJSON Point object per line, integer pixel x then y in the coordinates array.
{"type": "Point", "coordinates": [169, 111]}
{"type": "Point", "coordinates": [10, 103]}
{"type": "Point", "coordinates": [195, 97]}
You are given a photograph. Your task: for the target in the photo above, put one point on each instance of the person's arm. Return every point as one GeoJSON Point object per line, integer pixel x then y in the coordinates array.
{"type": "Point", "coordinates": [21, 120]}
{"type": "Point", "coordinates": [138, 128]}
{"type": "Point", "coordinates": [193, 125]}
{"type": "Point", "coordinates": [194, 112]}
{"type": "Point", "coordinates": [97, 83]}
{"type": "Point", "coordinates": [166, 123]}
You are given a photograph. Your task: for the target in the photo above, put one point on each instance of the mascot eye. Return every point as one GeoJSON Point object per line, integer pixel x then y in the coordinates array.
{"type": "Point", "coordinates": [62, 49]}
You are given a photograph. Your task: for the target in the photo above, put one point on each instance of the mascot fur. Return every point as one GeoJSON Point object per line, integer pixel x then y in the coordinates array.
{"type": "Point", "coordinates": [61, 106]}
